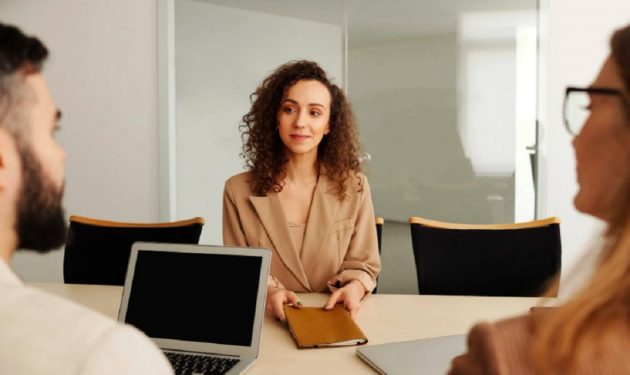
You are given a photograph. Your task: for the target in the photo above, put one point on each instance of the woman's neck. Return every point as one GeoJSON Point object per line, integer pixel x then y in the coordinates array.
{"type": "Point", "coordinates": [302, 169]}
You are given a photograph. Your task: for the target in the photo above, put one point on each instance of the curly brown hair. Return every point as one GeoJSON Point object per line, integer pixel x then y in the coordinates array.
{"type": "Point", "coordinates": [263, 150]}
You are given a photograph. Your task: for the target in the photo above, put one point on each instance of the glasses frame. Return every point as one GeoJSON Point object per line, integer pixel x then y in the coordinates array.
{"type": "Point", "coordinates": [591, 90]}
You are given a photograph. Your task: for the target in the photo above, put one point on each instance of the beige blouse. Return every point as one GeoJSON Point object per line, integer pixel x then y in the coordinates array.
{"type": "Point", "coordinates": [297, 234]}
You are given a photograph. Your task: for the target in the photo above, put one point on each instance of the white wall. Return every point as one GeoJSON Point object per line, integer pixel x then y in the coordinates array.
{"type": "Point", "coordinates": [222, 54]}
{"type": "Point", "coordinates": [103, 74]}
{"type": "Point", "coordinates": [575, 41]}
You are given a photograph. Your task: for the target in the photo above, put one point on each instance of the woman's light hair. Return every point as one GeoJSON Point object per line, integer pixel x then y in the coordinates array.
{"type": "Point", "coordinates": [574, 332]}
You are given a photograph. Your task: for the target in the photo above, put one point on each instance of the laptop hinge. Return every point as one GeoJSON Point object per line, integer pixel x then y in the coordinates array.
{"type": "Point", "coordinates": [201, 353]}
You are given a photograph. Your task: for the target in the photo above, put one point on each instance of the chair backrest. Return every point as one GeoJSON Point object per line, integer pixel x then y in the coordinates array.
{"type": "Point", "coordinates": [379, 235]}
{"type": "Point", "coordinates": [518, 259]}
{"type": "Point", "coordinates": [379, 231]}
{"type": "Point", "coordinates": [97, 251]}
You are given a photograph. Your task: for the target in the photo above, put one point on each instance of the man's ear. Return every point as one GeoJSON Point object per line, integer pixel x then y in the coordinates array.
{"type": "Point", "coordinates": [10, 164]}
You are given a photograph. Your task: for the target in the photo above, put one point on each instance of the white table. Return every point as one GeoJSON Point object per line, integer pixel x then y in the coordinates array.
{"type": "Point", "coordinates": [382, 317]}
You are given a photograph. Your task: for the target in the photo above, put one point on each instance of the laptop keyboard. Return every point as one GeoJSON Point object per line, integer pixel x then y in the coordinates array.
{"type": "Point", "coordinates": [189, 364]}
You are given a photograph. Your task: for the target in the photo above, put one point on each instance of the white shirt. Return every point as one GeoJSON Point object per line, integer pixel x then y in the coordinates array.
{"type": "Point", "coordinates": [45, 334]}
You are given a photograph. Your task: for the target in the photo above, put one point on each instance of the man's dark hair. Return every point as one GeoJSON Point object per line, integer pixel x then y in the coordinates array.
{"type": "Point", "coordinates": [19, 53]}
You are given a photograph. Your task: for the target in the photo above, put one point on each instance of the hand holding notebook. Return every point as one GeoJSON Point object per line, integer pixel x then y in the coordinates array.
{"type": "Point", "coordinates": [314, 327]}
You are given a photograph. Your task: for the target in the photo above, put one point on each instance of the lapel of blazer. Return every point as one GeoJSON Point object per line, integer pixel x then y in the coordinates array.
{"type": "Point", "coordinates": [321, 217]}
{"type": "Point", "coordinates": [271, 215]}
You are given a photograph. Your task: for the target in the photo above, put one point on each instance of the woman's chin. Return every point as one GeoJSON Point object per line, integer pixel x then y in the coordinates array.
{"type": "Point", "coordinates": [581, 203]}
{"type": "Point", "coordinates": [589, 206]}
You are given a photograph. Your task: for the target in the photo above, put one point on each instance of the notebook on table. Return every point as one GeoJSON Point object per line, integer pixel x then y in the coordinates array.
{"type": "Point", "coordinates": [203, 305]}
{"type": "Point", "coordinates": [428, 356]}
{"type": "Point", "coordinates": [314, 327]}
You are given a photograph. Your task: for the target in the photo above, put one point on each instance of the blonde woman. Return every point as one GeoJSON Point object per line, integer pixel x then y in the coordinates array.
{"type": "Point", "coordinates": [590, 334]}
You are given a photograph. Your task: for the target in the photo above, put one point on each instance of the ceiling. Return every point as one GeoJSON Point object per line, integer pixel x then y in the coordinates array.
{"type": "Point", "coordinates": [379, 21]}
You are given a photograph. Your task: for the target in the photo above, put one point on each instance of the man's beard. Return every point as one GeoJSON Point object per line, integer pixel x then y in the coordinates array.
{"type": "Point", "coordinates": [41, 223]}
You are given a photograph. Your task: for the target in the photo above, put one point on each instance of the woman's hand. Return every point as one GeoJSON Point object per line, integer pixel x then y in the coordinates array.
{"type": "Point", "coordinates": [350, 295]}
{"type": "Point", "coordinates": [277, 298]}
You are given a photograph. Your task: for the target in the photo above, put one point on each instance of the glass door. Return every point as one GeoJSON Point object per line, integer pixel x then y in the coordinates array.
{"type": "Point", "coordinates": [445, 96]}
{"type": "Point", "coordinates": [444, 93]}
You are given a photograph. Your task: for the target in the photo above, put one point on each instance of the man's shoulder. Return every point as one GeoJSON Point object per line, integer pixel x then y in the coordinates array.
{"type": "Point", "coordinates": [49, 330]}
{"type": "Point", "coordinates": [40, 308]}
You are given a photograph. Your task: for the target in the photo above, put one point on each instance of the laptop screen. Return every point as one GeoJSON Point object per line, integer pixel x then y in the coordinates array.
{"type": "Point", "coordinates": [195, 296]}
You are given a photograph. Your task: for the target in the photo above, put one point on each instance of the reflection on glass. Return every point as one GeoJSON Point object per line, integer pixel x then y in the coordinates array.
{"type": "Point", "coordinates": [444, 92]}
{"type": "Point", "coordinates": [450, 104]}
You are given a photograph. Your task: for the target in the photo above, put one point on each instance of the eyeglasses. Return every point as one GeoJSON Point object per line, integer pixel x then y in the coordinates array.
{"type": "Point", "coordinates": [577, 105]}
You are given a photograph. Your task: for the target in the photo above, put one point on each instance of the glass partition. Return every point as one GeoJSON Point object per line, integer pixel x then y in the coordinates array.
{"type": "Point", "coordinates": [444, 93]}
{"type": "Point", "coordinates": [437, 106]}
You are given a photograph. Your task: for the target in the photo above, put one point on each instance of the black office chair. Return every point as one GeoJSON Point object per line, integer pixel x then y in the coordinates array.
{"type": "Point", "coordinates": [97, 251]}
{"type": "Point", "coordinates": [487, 260]}
{"type": "Point", "coordinates": [379, 235]}
{"type": "Point", "coordinates": [379, 231]}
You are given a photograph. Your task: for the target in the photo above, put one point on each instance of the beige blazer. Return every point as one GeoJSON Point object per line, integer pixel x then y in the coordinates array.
{"type": "Point", "coordinates": [339, 246]}
{"type": "Point", "coordinates": [505, 347]}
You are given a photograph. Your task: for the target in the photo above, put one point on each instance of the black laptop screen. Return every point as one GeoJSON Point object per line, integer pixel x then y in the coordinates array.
{"type": "Point", "coordinates": [195, 297]}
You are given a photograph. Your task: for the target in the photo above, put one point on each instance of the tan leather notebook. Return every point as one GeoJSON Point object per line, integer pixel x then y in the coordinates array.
{"type": "Point", "coordinates": [314, 327]}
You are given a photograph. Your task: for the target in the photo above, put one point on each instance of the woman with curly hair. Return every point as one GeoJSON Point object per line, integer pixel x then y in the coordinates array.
{"type": "Point", "coordinates": [590, 333]}
{"type": "Point", "coordinates": [304, 197]}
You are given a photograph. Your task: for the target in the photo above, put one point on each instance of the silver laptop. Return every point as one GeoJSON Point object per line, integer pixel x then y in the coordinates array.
{"type": "Point", "coordinates": [203, 305]}
{"type": "Point", "coordinates": [431, 356]}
